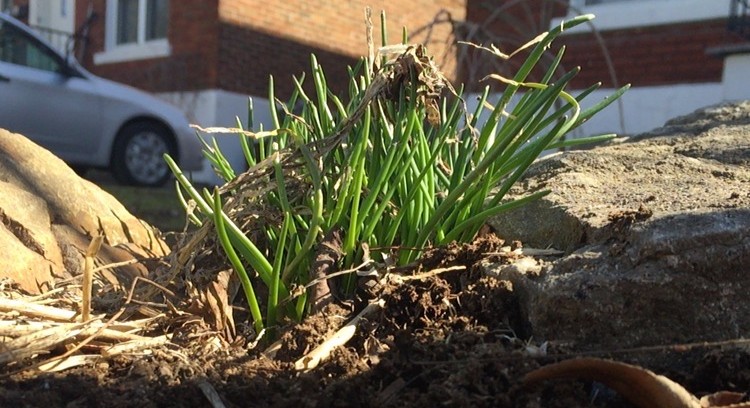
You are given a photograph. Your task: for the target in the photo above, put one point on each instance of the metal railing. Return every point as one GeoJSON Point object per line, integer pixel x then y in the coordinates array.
{"type": "Point", "coordinates": [739, 18]}
{"type": "Point", "coordinates": [57, 38]}
{"type": "Point", "coordinates": [66, 42]}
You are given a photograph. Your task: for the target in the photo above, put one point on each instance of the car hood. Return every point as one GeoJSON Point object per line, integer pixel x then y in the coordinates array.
{"type": "Point", "coordinates": [140, 102]}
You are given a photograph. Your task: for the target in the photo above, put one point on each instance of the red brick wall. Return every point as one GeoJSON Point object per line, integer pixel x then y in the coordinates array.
{"type": "Point", "coordinates": [236, 44]}
{"type": "Point", "coordinates": [81, 11]}
{"type": "Point", "coordinates": [506, 24]}
{"type": "Point", "coordinates": [248, 57]}
{"type": "Point", "coordinates": [259, 38]}
{"type": "Point", "coordinates": [193, 34]}
{"type": "Point", "coordinates": [658, 55]}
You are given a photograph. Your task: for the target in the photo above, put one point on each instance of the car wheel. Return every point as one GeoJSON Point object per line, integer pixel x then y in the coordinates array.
{"type": "Point", "coordinates": [137, 155]}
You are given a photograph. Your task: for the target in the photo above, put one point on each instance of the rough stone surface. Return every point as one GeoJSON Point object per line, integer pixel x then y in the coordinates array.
{"type": "Point", "coordinates": [656, 234]}
{"type": "Point", "coordinates": [48, 215]}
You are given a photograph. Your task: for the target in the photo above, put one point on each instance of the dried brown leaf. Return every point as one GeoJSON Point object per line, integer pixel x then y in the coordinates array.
{"type": "Point", "coordinates": [641, 387]}
{"type": "Point", "coordinates": [723, 399]}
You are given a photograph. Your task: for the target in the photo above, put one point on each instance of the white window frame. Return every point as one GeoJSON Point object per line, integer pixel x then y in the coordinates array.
{"type": "Point", "coordinates": [141, 49]}
{"type": "Point", "coordinates": [644, 13]}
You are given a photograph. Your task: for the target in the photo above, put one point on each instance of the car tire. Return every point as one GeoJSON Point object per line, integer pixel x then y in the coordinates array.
{"type": "Point", "coordinates": [137, 154]}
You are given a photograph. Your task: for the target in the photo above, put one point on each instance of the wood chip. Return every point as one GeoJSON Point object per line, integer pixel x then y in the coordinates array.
{"type": "Point", "coordinates": [136, 345]}
{"type": "Point", "coordinates": [69, 362]}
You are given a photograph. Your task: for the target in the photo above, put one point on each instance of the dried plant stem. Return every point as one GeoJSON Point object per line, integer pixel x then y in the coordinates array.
{"type": "Point", "coordinates": [69, 362]}
{"type": "Point", "coordinates": [35, 310]}
{"type": "Point", "coordinates": [136, 345]}
{"type": "Point", "coordinates": [342, 336]}
{"type": "Point", "coordinates": [428, 274]}
{"type": "Point", "coordinates": [88, 276]}
{"type": "Point", "coordinates": [642, 387]}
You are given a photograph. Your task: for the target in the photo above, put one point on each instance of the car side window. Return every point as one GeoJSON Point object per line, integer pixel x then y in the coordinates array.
{"type": "Point", "coordinates": [18, 48]}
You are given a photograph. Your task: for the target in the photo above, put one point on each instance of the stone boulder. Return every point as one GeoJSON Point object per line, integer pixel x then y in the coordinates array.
{"type": "Point", "coordinates": [655, 231]}
{"type": "Point", "coordinates": [48, 215]}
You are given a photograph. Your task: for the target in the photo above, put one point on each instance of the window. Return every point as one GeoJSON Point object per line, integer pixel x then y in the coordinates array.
{"type": "Point", "coordinates": [135, 29]}
{"type": "Point", "coordinates": [156, 19]}
{"type": "Point", "coordinates": [18, 48]}
{"type": "Point", "coordinates": [127, 21]}
{"type": "Point", "coordinates": [139, 21]}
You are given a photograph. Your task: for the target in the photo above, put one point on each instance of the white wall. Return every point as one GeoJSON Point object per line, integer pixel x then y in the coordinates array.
{"type": "Point", "coordinates": [55, 14]}
{"type": "Point", "coordinates": [217, 108]}
{"type": "Point", "coordinates": [736, 77]}
{"type": "Point", "coordinates": [642, 109]}
{"type": "Point", "coordinates": [646, 108]}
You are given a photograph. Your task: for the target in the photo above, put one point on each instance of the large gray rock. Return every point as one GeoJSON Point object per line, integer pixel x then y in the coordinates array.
{"type": "Point", "coordinates": [48, 215]}
{"type": "Point", "coordinates": [656, 231]}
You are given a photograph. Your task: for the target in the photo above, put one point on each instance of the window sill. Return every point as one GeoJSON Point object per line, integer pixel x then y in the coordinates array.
{"type": "Point", "coordinates": [132, 52]}
{"type": "Point", "coordinates": [629, 14]}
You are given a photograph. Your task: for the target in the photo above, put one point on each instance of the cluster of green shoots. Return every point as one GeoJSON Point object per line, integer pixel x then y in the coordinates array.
{"type": "Point", "coordinates": [373, 167]}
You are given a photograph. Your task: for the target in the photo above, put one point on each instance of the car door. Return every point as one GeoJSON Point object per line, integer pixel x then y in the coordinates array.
{"type": "Point", "coordinates": [45, 100]}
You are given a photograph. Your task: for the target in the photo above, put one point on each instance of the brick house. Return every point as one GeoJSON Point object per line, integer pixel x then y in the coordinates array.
{"type": "Point", "coordinates": [232, 45]}
{"type": "Point", "coordinates": [678, 55]}
{"type": "Point", "coordinates": [207, 56]}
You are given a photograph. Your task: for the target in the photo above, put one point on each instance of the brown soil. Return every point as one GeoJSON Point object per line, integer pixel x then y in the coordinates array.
{"type": "Point", "coordinates": [453, 339]}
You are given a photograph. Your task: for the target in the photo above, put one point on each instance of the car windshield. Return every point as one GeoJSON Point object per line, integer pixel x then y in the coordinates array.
{"type": "Point", "coordinates": [16, 47]}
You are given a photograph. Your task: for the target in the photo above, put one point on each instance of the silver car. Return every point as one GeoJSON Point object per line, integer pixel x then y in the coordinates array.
{"type": "Point", "coordinates": [86, 120]}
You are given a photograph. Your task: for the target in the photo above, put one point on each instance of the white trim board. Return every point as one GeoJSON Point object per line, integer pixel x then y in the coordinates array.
{"type": "Point", "coordinates": [643, 13]}
{"type": "Point", "coordinates": [141, 49]}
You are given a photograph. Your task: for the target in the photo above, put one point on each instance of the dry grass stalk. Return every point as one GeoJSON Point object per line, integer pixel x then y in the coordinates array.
{"type": "Point", "coordinates": [136, 345]}
{"type": "Point", "coordinates": [14, 330]}
{"type": "Point", "coordinates": [88, 276]}
{"type": "Point", "coordinates": [342, 336]}
{"type": "Point", "coordinates": [69, 362]}
{"type": "Point", "coordinates": [35, 338]}
{"type": "Point", "coordinates": [44, 296]}
{"type": "Point", "coordinates": [34, 310]}
{"type": "Point", "coordinates": [43, 329]}
{"type": "Point", "coordinates": [425, 275]}
{"type": "Point", "coordinates": [40, 342]}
